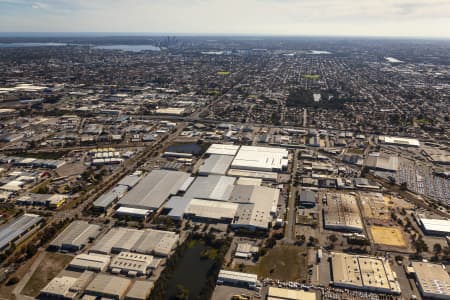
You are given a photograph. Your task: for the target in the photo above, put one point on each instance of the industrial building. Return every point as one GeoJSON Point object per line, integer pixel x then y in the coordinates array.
{"type": "Point", "coordinates": [140, 290]}
{"type": "Point", "coordinates": [75, 236]}
{"type": "Point", "coordinates": [155, 188]}
{"type": "Point", "coordinates": [17, 229]}
{"type": "Point", "coordinates": [108, 286]}
{"type": "Point", "coordinates": [215, 164]}
{"type": "Point", "coordinates": [59, 288]}
{"type": "Point", "coordinates": [433, 280]}
{"type": "Point", "coordinates": [135, 213]}
{"type": "Point", "coordinates": [245, 250]}
{"type": "Point", "coordinates": [238, 279]}
{"type": "Point", "coordinates": [306, 199]}
{"type": "Point", "coordinates": [131, 264]}
{"type": "Point", "coordinates": [363, 273]}
{"type": "Point", "coordinates": [148, 241]}
{"type": "Point", "coordinates": [341, 213]}
{"type": "Point", "coordinates": [210, 211]}
{"type": "Point", "coordinates": [434, 226]}
{"type": "Point", "coordinates": [107, 199]}
{"type": "Point", "coordinates": [275, 293]}
{"type": "Point", "coordinates": [131, 180]}
{"type": "Point", "coordinates": [399, 141]}
{"type": "Point", "coordinates": [382, 162]}
{"type": "Point", "coordinates": [266, 159]}
{"type": "Point", "coordinates": [90, 262]}
{"type": "Point", "coordinates": [223, 149]}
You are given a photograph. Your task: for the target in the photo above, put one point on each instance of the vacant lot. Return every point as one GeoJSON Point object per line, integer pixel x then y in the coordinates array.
{"type": "Point", "coordinates": [50, 266]}
{"type": "Point", "coordinates": [287, 263]}
{"type": "Point", "coordinates": [390, 236]}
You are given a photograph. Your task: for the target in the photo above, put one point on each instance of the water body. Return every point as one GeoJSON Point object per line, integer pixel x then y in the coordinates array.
{"type": "Point", "coordinates": [191, 272]}
{"type": "Point", "coordinates": [26, 45]}
{"type": "Point", "coordinates": [131, 48]}
{"type": "Point", "coordinates": [317, 52]}
{"type": "Point", "coordinates": [192, 148]}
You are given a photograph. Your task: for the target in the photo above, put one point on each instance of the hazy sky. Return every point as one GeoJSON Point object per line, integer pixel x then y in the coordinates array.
{"type": "Point", "coordinates": [426, 18]}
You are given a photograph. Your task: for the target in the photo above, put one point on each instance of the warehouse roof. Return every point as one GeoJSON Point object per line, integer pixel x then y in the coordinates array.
{"type": "Point", "coordinates": [363, 272]}
{"type": "Point", "coordinates": [91, 261]}
{"type": "Point", "coordinates": [216, 164]}
{"type": "Point", "coordinates": [432, 278]}
{"type": "Point", "coordinates": [141, 241]}
{"type": "Point", "coordinates": [12, 230]}
{"type": "Point", "coordinates": [436, 225]}
{"type": "Point", "coordinates": [109, 197]}
{"type": "Point", "coordinates": [288, 294]}
{"type": "Point", "coordinates": [131, 262]}
{"type": "Point", "coordinates": [140, 290]}
{"type": "Point", "coordinates": [154, 189]}
{"type": "Point", "coordinates": [76, 235]}
{"type": "Point", "coordinates": [108, 285]}
{"type": "Point", "coordinates": [249, 181]}
{"type": "Point", "coordinates": [223, 149]}
{"type": "Point", "coordinates": [265, 197]}
{"type": "Point", "coordinates": [238, 276]}
{"type": "Point", "coordinates": [60, 286]}
{"type": "Point", "coordinates": [210, 209]}
{"type": "Point", "coordinates": [261, 158]}
{"type": "Point", "coordinates": [133, 211]}
{"type": "Point", "coordinates": [342, 212]}
{"type": "Point", "coordinates": [213, 187]}
{"type": "Point", "coordinates": [399, 141]}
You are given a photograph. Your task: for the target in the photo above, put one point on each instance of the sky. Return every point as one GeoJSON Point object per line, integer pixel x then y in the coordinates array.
{"type": "Point", "coordinates": [404, 18]}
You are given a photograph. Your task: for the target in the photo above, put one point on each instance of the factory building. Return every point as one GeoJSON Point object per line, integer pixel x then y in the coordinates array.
{"type": "Point", "coordinates": [434, 226]}
{"type": "Point", "coordinates": [433, 280]}
{"type": "Point", "coordinates": [135, 213]}
{"type": "Point", "coordinates": [107, 199]}
{"type": "Point", "coordinates": [237, 279]}
{"type": "Point", "coordinates": [140, 290]}
{"type": "Point", "coordinates": [399, 141]}
{"type": "Point", "coordinates": [148, 241]}
{"type": "Point", "coordinates": [215, 164]}
{"type": "Point", "coordinates": [341, 213]}
{"type": "Point", "coordinates": [66, 287]}
{"type": "Point", "coordinates": [275, 293]}
{"type": "Point", "coordinates": [155, 188]}
{"type": "Point", "coordinates": [75, 236]}
{"type": "Point", "coordinates": [207, 211]}
{"type": "Point", "coordinates": [107, 286]}
{"type": "Point", "coordinates": [90, 262]}
{"type": "Point", "coordinates": [363, 273]}
{"type": "Point", "coordinates": [306, 199]}
{"type": "Point", "coordinates": [17, 229]}
{"type": "Point", "coordinates": [131, 264]}
{"type": "Point", "coordinates": [223, 149]}
{"type": "Point", "coordinates": [382, 162]}
{"type": "Point", "coordinates": [266, 159]}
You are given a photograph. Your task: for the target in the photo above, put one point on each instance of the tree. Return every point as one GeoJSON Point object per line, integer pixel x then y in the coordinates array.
{"type": "Point", "coordinates": [332, 238]}
{"type": "Point", "coordinates": [437, 249]}
{"type": "Point", "coordinates": [182, 293]}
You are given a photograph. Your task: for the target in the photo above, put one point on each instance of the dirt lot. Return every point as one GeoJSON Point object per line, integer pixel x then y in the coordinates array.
{"type": "Point", "coordinates": [287, 263]}
{"type": "Point", "coordinates": [51, 265]}
{"type": "Point", "coordinates": [390, 236]}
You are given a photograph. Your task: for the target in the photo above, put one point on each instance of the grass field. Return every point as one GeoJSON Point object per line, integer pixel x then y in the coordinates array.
{"type": "Point", "coordinates": [311, 76]}
{"type": "Point", "coordinates": [390, 236]}
{"type": "Point", "coordinates": [282, 262]}
{"type": "Point", "coordinates": [50, 266]}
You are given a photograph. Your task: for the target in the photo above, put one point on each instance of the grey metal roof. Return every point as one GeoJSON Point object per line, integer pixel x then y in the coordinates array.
{"type": "Point", "coordinates": [13, 230]}
{"type": "Point", "coordinates": [307, 196]}
{"type": "Point", "coordinates": [109, 197]}
{"type": "Point", "coordinates": [213, 187]}
{"type": "Point", "coordinates": [76, 235]}
{"type": "Point", "coordinates": [216, 164]}
{"type": "Point", "coordinates": [130, 180]}
{"type": "Point", "coordinates": [154, 189]}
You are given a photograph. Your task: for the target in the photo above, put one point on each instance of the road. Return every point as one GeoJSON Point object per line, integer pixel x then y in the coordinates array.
{"type": "Point", "coordinates": [290, 214]}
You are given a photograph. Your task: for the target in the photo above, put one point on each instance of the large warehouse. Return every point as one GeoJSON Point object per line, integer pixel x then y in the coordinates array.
{"type": "Point", "coordinates": [266, 159]}
{"type": "Point", "coordinates": [155, 188]}
{"type": "Point", "coordinates": [215, 164]}
{"type": "Point", "coordinates": [237, 279]}
{"type": "Point", "coordinates": [363, 273]}
{"type": "Point", "coordinates": [432, 279]}
{"type": "Point", "coordinates": [341, 212]}
{"type": "Point", "coordinates": [399, 141]}
{"type": "Point", "coordinates": [75, 236]}
{"type": "Point", "coordinates": [435, 226]}
{"type": "Point", "coordinates": [16, 229]}
{"type": "Point", "coordinates": [90, 262]}
{"type": "Point", "coordinates": [111, 287]}
{"type": "Point", "coordinates": [223, 149]}
{"type": "Point", "coordinates": [149, 241]}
